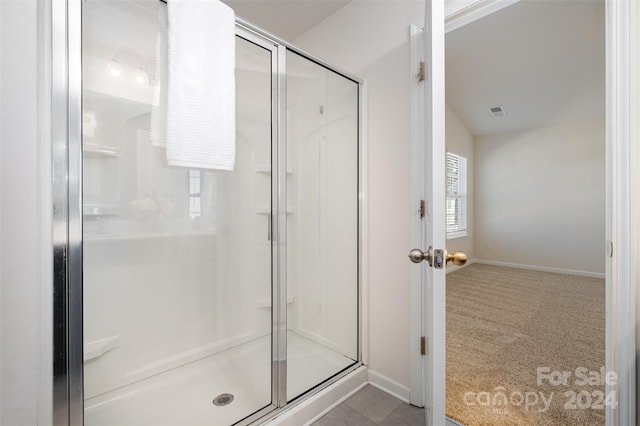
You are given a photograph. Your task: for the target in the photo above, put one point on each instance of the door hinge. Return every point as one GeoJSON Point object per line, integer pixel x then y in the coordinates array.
{"type": "Point", "coordinates": [422, 209]}
{"type": "Point", "coordinates": [421, 71]}
{"type": "Point", "coordinates": [423, 345]}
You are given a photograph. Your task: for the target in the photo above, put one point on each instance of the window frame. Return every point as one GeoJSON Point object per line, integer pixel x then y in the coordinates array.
{"type": "Point", "coordinates": [459, 192]}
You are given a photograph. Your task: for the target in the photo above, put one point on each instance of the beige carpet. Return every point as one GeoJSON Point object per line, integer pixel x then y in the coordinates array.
{"type": "Point", "coordinates": [502, 325]}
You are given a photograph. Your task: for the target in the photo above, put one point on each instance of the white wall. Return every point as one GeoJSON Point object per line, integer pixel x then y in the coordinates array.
{"type": "Point", "coordinates": [25, 289]}
{"type": "Point", "coordinates": [371, 40]}
{"type": "Point", "coordinates": [554, 213]}
{"type": "Point", "coordinates": [460, 141]}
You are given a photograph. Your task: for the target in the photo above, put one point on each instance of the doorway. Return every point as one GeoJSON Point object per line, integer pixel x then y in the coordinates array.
{"type": "Point", "coordinates": [516, 221]}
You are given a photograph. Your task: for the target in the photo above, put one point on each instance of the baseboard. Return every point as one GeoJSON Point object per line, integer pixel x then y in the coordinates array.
{"type": "Point", "coordinates": [310, 410]}
{"type": "Point", "coordinates": [541, 268]}
{"type": "Point", "coordinates": [451, 422]}
{"type": "Point", "coordinates": [453, 268]}
{"type": "Point", "coordinates": [389, 386]}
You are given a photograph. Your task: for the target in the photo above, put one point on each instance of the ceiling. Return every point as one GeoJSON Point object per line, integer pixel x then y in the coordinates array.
{"type": "Point", "coordinates": [287, 19]}
{"type": "Point", "coordinates": [543, 62]}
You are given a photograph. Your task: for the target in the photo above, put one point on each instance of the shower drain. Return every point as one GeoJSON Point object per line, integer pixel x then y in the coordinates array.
{"type": "Point", "coordinates": [223, 399]}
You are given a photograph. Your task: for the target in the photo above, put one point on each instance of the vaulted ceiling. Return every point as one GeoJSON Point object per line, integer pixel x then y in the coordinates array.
{"type": "Point", "coordinates": [286, 19]}
{"type": "Point", "coordinates": [543, 62]}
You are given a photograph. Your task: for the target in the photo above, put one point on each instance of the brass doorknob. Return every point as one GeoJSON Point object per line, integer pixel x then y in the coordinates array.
{"type": "Point", "coordinates": [458, 258]}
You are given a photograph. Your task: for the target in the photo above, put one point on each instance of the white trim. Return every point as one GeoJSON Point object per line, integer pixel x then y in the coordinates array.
{"type": "Point", "coordinates": [434, 150]}
{"type": "Point", "coordinates": [621, 274]}
{"type": "Point", "coordinates": [451, 422]}
{"type": "Point", "coordinates": [460, 193]}
{"type": "Point", "coordinates": [541, 268]}
{"type": "Point", "coordinates": [364, 224]}
{"type": "Point", "coordinates": [457, 234]}
{"type": "Point", "coordinates": [452, 268]}
{"type": "Point", "coordinates": [459, 13]}
{"type": "Point", "coordinates": [389, 386]}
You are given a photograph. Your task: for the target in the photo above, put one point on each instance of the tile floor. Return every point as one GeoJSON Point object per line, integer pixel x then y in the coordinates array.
{"type": "Point", "coordinates": [370, 407]}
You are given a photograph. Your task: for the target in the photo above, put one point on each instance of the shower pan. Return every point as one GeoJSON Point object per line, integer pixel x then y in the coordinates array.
{"type": "Point", "coordinates": [199, 296]}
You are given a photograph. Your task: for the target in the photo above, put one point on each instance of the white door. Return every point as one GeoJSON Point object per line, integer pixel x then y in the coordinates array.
{"type": "Point", "coordinates": [434, 254]}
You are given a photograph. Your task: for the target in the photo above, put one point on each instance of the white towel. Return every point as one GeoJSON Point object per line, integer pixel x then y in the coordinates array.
{"type": "Point", "coordinates": [201, 106]}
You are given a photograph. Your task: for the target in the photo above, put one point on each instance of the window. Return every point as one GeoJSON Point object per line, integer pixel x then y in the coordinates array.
{"type": "Point", "coordinates": [194, 194]}
{"type": "Point", "coordinates": [456, 201]}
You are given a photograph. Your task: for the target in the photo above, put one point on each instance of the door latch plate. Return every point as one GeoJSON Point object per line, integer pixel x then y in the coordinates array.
{"type": "Point", "coordinates": [438, 258]}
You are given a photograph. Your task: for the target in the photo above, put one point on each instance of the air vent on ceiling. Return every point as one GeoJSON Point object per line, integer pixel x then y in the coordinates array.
{"type": "Point", "coordinates": [497, 111]}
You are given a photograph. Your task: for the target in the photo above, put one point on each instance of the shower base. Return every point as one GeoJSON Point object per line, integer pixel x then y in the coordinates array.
{"type": "Point", "coordinates": [184, 395]}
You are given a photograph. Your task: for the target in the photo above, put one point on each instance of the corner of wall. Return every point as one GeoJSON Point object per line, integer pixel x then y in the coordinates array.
{"type": "Point", "coordinates": [390, 386]}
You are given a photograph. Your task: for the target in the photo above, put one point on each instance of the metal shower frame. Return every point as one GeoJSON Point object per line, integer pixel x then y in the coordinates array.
{"type": "Point", "coordinates": [66, 128]}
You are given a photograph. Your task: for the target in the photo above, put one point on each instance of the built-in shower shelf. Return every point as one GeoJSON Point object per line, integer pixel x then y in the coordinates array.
{"type": "Point", "coordinates": [267, 170]}
{"type": "Point", "coordinates": [132, 236]}
{"type": "Point", "coordinates": [266, 302]}
{"type": "Point", "coordinates": [99, 210]}
{"type": "Point", "coordinates": [267, 210]}
{"type": "Point", "coordinates": [94, 149]}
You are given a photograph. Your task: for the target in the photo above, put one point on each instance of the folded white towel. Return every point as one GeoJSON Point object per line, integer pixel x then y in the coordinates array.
{"type": "Point", "coordinates": [201, 107]}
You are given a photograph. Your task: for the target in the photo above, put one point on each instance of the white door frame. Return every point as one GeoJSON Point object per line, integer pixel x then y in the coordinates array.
{"type": "Point", "coordinates": [622, 194]}
{"type": "Point", "coordinates": [417, 309]}
{"type": "Point", "coordinates": [433, 273]}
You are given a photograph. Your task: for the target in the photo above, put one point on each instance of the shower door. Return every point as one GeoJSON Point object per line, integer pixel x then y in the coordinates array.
{"type": "Point", "coordinates": [177, 262]}
{"type": "Point", "coordinates": [322, 223]}
{"type": "Point", "coordinates": [199, 296]}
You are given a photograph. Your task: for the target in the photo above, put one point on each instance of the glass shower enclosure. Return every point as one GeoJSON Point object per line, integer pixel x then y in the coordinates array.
{"type": "Point", "coordinates": [207, 296]}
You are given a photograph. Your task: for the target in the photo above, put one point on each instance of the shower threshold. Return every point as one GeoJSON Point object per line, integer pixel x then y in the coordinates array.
{"type": "Point", "coordinates": [185, 395]}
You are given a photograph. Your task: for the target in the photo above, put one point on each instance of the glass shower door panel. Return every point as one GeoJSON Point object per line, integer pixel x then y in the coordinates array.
{"type": "Point", "coordinates": [177, 326]}
{"type": "Point", "coordinates": [322, 224]}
